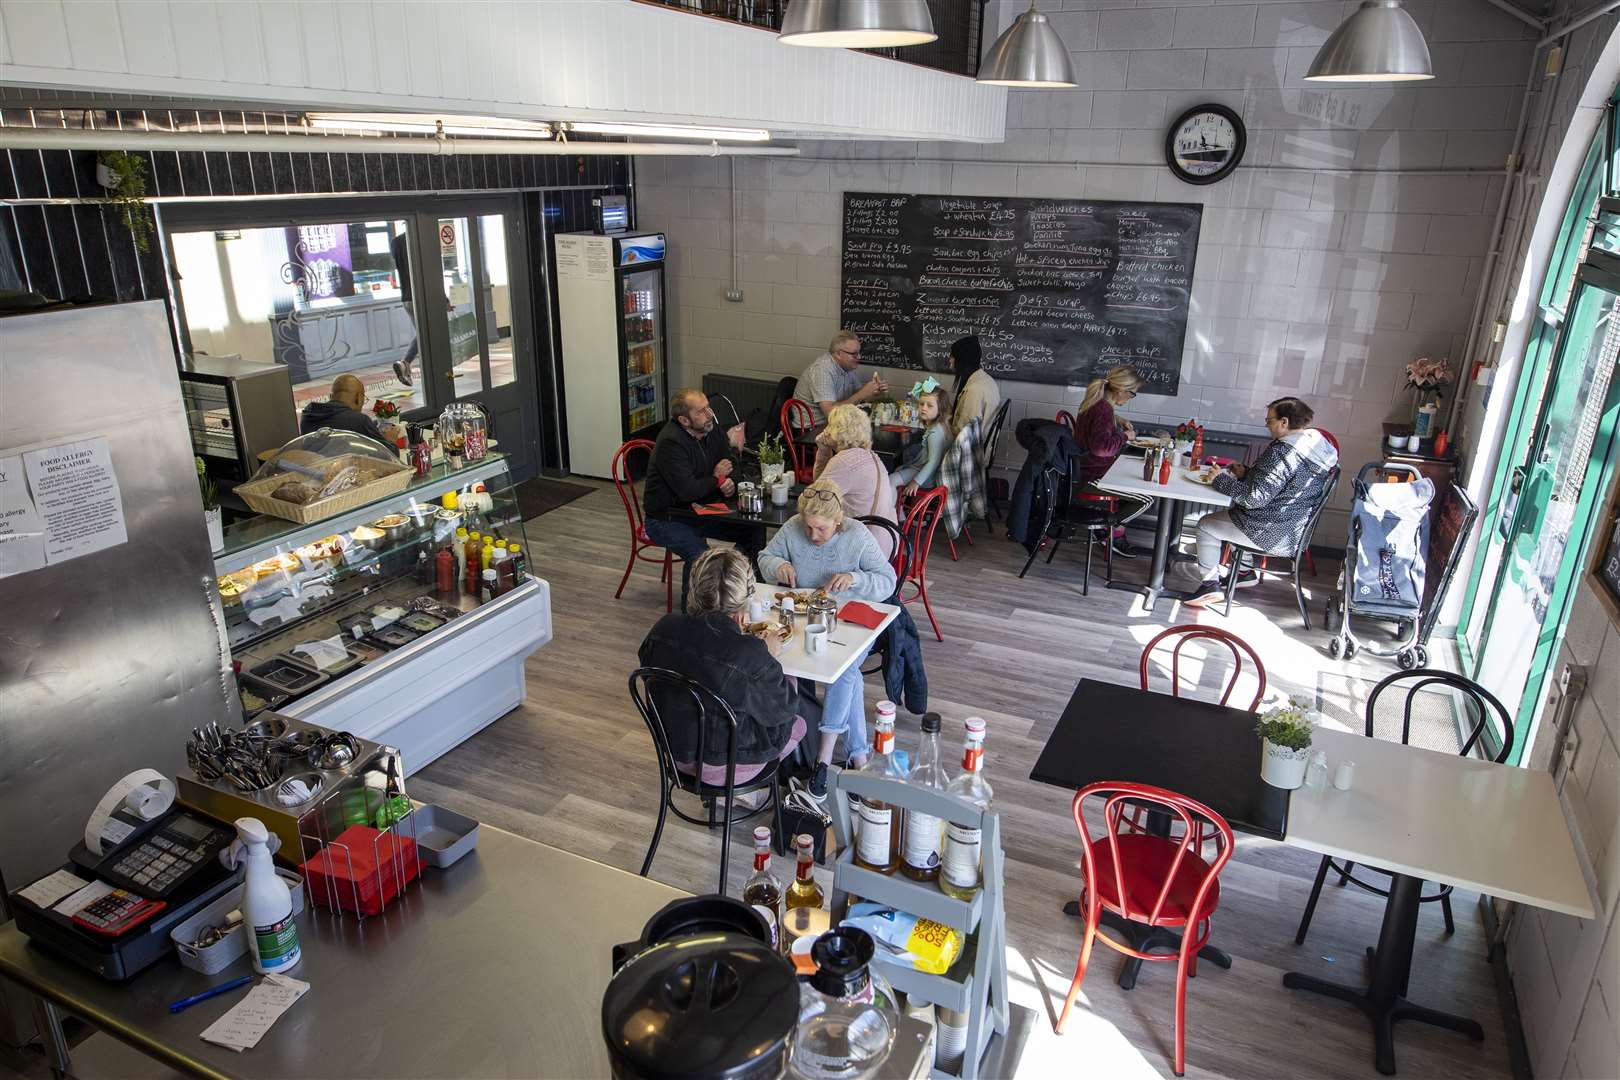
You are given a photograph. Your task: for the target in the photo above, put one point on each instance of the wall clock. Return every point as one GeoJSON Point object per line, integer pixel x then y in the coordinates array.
{"type": "Point", "coordinates": [1205, 144]}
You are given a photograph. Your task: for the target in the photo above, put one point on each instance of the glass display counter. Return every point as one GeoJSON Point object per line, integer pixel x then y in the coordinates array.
{"type": "Point", "coordinates": [357, 623]}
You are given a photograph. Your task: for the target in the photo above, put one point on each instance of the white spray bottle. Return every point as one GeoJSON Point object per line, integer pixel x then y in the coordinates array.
{"type": "Point", "coordinates": [266, 903]}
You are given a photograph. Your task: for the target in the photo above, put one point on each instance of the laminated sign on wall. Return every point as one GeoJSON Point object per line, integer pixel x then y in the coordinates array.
{"type": "Point", "coordinates": [57, 504]}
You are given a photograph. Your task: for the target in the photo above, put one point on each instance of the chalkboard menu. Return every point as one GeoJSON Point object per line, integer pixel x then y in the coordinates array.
{"type": "Point", "coordinates": [1058, 290]}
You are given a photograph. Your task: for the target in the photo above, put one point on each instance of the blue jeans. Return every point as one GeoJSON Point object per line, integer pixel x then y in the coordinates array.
{"type": "Point", "coordinates": [688, 540]}
{"type": "Point", "coordinates": [844, 710]}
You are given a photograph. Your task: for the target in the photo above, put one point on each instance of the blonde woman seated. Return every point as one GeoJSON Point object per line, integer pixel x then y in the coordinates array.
{"type": "Point", "coordinates": [844, 456]}
{"type": "Point", "coordinates": [821, 548]}
{"type": "Point", "coordinates": [707, 643]}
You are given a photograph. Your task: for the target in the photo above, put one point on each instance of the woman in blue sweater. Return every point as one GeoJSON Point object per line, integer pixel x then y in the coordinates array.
{"type": "Point", "coordinates": [818, 548]}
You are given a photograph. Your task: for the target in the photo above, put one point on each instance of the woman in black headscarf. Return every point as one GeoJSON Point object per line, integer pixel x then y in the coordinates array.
{"type": "Point", "coordinates": [976, 392]}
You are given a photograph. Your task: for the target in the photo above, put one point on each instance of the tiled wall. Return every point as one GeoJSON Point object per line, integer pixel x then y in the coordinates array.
{"type": "Point", "coordinates": [1308, 282]}
{"type": "Point", "coordinates": [1567, 971]}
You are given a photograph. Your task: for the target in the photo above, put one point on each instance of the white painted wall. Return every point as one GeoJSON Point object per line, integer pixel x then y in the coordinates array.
{"type": "Point", "coordinates": [1308, 281]}
{"type": "Point", "coordinates": [545, 60]}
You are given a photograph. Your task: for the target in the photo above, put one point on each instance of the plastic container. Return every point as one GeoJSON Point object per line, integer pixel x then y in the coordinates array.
{"type": "Point", "coordinates": [267, 914]}
{"type": "Point", "coordinates": [443, 836]}
{"type": "Point", "coordinates": [233, 945]}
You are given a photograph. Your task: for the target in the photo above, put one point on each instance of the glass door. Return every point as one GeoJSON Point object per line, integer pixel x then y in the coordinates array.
{"type": "Point", "coordinates": [642, 302]}
{"type": "Point", "coordinates": [1547, 514]}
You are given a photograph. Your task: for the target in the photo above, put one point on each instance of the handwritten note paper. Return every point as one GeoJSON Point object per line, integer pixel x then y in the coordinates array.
{"type": "Point", "coordinates": [250, 1018]}
{"type": "Point", "coordinates": [22, 534]}
{"type": "Point", "coordinates": [76, 492]}
{"type": "Point", "coordinates": [48, 890]}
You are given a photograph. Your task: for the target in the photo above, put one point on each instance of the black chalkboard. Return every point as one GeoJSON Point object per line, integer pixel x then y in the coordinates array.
{"type": "Point", "coordinates": [1058, 290]}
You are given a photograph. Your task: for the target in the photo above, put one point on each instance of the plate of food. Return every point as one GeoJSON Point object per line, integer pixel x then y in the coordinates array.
{"type": "Point", "coordinates": [783, 633]}
{"type": "Point", "coordinates": [1142, 442]}
{"type": "Point", "coordinates": [1205, 476]}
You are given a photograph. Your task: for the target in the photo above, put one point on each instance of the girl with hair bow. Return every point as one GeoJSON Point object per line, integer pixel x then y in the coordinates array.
{"type": "Point", "coordinates": [921, 463]}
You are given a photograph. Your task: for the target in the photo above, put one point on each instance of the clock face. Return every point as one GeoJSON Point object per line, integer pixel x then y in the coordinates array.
{"type": "Point", "coordinates": [1205, 144]}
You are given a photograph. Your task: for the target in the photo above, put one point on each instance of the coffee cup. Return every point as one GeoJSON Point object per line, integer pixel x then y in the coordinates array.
{"type": "Point", "coordinates": [758, 606]}
{"type": "Point", "coordinates": [779, 493]}
{"type": "Point", "coordinates": [815, 640]}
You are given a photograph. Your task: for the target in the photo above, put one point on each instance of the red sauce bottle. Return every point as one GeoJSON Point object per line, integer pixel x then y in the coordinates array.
{"type": "Point", "coordinates": [445, 567]}
{"type": "Point", "coordinates": [1164, 470]}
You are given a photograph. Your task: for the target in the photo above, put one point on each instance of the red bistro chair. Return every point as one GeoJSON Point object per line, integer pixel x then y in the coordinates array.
{"type": "Point", "coordinates": [921, 520]}
{"type": "Point", "coordinates": [640, 544]}
{"type": "Point", "coordinates": [797, 418]}
{"type": "Point", "coordinates": [1192, 632]}
{"type": "Point", "coordinates": [1153, 880]}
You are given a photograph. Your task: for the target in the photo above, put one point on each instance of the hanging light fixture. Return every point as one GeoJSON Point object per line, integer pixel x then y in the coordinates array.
{"type": "Point", "coordinates": [857, 24]}
{"type": "Point", "coordinates": [1028, 54]}
{"type": "Point", "coordinates": [1379, 42]}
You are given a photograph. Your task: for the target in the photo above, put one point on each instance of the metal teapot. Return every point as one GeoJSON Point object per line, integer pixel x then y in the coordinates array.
{"type": "Point", "coordinates": [822, 611]}
{"type": "Point", "coordinates": [750, 498]}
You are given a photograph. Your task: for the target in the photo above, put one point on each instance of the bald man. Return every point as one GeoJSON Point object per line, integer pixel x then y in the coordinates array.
{"type": "Point", "coordinates": [341, 410]}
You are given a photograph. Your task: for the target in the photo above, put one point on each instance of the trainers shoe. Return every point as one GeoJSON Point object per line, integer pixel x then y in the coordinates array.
{"type": "Point", "coordinates": [1206, 591]}
{"type": "Point", "coordinates": [1123, 549]}
{"type": "Point", "coordinates": [401, 372]}
{"type": "Point", "coordinates": [1247, 578]}
{"type": "Point", "coordinates": [818, 783]}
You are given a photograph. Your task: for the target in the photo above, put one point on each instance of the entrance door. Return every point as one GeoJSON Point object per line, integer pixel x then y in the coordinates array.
{"type": "Point", "coordinates": [1554, 485]}
{"type": "Point", "coordinates": [476, 320]}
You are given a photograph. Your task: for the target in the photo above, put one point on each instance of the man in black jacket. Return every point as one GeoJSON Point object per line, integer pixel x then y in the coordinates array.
{"type": "Point", "coordinates": [341, 410]}
{"type": "Point", "coordinates": [692, 462]}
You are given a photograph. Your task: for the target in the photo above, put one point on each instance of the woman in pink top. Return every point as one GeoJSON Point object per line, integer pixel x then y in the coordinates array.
{"type": "Point", "coordinates": [844, 455]}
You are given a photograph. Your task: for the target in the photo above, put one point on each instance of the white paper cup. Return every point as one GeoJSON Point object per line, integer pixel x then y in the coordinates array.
{"type": "Point", "coordinates": [1345, 775]}
{"type": "Point", "coordinates": [779, 494]}
{"type": "Point", "coordinates": [1414, 443]}
{"type": "Point", "coordinates": [758, 607]}
{"type": "Point", "coordinates": [815, 640]}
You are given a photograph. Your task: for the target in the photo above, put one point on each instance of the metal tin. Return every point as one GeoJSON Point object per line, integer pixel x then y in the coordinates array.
{"type": "Point", "coordinates": [822, 611]}
{"type": "Point", "coordinates": [288, 674]}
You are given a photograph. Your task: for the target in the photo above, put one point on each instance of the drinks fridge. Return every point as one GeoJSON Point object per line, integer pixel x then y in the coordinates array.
{"type": "Point", "coordinates": [610, 298]}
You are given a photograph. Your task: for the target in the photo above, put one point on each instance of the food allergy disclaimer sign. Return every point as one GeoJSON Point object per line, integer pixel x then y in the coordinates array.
{"type": "Point", "coordinates": [71, 504]}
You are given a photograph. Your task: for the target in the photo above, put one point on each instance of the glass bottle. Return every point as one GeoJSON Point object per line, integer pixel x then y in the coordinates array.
{"type": "Point", "coordinates": [877, 844]}
{"type": "Point", "coordinates": [919, 857]}
{"type": "Point", "coordinates": [959, 869]}
{"type": "Point", "coordinates": [805, 891]}
{"type": "Point", "coordinates": [763, 889]}
{"type": "Point", "coordinates": [879, 711]}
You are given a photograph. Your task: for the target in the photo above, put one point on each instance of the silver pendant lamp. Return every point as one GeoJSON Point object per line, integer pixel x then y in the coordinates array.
{"type": "Point", "coordinates": [1379, 42]}
{"type": "Point", "coordinates": [1030, 54]}
{"type": "Point", "coordinates": [857, 24]}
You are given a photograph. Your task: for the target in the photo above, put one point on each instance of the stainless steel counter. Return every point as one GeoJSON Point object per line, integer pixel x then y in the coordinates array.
{"type": "Point", "coordinates": [494, 967]}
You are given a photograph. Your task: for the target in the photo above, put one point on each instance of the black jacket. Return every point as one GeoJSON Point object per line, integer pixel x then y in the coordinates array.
{"type": "Point", "coordinates": [1048, 446]}
{"type": "Point", "coordinates": [737, 667]}
{"type": "Point", "coordinates": [904, 679]}
{"type": "Point", "coordinates": [335, 414]}
{"type": "Point", "coordinates": [682, 469]}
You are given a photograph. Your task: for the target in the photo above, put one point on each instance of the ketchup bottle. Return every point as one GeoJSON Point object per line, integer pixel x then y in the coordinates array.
{"type": "Point", "coordinates": [1164, 470]}
{"type": "Point", "coordinates": [445, 567]}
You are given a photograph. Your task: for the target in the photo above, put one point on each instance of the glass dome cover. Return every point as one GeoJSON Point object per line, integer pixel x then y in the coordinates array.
{"type": "Point", "coordinates": [326, 462]}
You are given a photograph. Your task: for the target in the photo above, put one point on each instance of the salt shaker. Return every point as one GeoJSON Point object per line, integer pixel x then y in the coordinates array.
{"type": "Point", "coordinates": [1316, 772]}
{"type": "Point", "coordinates": [1344, 775]}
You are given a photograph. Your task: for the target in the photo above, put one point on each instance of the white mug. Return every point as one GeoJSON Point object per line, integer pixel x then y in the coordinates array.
{"type": "Point", "coordinates": [779, 493]}
{"type": "Point", "coordinates": [758, 606]}
{"type": "Point", "coordinates": [1414, 443]}
{"type": "Point", "coordinates": [815, 640]}
{"type": "Point", "coordinates": [1344, 775]}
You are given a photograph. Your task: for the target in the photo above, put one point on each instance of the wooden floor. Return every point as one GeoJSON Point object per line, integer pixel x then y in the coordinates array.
{"type": "Point", "coordinates": [574, 767]}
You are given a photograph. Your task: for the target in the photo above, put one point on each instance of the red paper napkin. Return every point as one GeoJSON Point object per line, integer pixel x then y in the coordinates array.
{"type": "Point", "coordinates": [861, 615]}
{"type": "Point", "coordinates": [710, 508]}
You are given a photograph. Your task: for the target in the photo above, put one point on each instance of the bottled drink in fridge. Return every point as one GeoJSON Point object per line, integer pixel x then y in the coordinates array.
{"type": "Point", "coordinates": [919, 857]}
{"type": "Point", "coordinates": [763, 889]}
{"type": "Point", "coordinates": [805, 891]}
{"type": "Point", "coordinates": [959, 870]}
{"type": "Point", "coordinates": [877, 841]}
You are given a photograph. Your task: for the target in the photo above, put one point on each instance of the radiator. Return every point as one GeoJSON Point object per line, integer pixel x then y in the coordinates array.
{"type": "Point", "coordinates": [745, 395]}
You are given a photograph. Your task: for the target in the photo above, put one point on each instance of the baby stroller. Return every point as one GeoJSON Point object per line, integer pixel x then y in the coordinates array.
{"type": "Point", "coordinates": [1385, 562]}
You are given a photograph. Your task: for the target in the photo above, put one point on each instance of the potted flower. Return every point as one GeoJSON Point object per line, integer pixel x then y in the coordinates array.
{"type": "Point", "coordinates": [1425, 377]}
{"type": "Point", "coordinates": [1285, 743]}
{"type": "Point", "coordinates": [211, 511]}
{"type": "Point", "coordinates": [386, 413]}
{"type": "Point", "coordinates": [772, 455]}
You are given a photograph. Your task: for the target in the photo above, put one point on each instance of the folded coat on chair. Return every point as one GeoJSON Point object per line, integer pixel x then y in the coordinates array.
{"type": "Point", "coordinates": [1048, 445]}
{"type": "Point", "coordinates": [904, 679]}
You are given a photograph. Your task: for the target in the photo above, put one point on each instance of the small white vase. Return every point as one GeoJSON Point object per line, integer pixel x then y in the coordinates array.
{"type": "Point", "coordinates": [216, 529]}
{"type": "Point", "coordinates": [770, 474]}
{"type": "Point", "coordinates": [1282, 767]}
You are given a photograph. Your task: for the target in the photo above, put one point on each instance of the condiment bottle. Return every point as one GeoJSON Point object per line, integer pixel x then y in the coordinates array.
{"type": "Point", "coordinates": [266, 903]}
{"type": "Point", "coordinates": [1164, 470]}
{"type": "Point", "coordinates": [959, 867]}
{"type": "Point", "coordinates": [451, 500]}
{"type": "Point", "coordinates": [424, 567]}
{"type": "Point", "coordinates": [520, 565]}
{"type": "Point", "coordinates": [805, 890]}
{"type": "Point", "coordinates": [505, 579]}
{"type": "Point", "coordinates": [486, 553]}
{"type": "Point", "coordinates": [1150, 465]}
{"type": "Point", "coordinates": [488, 587]}
{"type": "Point", "coordinates": [763, 889]}
{"type": "Point", "coordinates": [460, 548]}
{"type": "Point", "coordinates": [919, 858]}
{"type": "Point", "coordinates": [877, 843]}
{"type": "Point", "coordinates": [445, 571]}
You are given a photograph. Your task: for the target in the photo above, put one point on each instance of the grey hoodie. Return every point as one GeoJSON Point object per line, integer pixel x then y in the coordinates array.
{"type": "Point", "coordinates": [1272, 504]}
{"type": "Point", "coordinates": [335, 414]}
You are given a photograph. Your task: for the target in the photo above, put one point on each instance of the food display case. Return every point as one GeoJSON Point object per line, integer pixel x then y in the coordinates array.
{"type": "Point", "coordinates": [347, 622]}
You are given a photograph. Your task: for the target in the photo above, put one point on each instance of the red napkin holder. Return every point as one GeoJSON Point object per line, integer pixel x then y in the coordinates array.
{"type": "Point", "coordinates": [361, 865]}
{"type": "Point", "coordinates": [861, 615]}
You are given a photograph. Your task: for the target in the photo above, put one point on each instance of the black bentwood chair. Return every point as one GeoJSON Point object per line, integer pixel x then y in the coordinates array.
{"type": "Point", "coordinates": [992, 437]}
{"type": "Point", "coordinates": [1239, 555]}
{"type": "Point", "coordinates": [1479, 703]}
{"type": "Point", "coordinates": [647, 687]}
{"type": "Point", "coordinates": [1071, 512]}
{"type": "Point", "coordinates": [901, 561]}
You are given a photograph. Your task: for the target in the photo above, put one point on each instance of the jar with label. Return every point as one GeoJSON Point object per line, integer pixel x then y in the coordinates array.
{"type": "Point", "coordinates": [920, 852]}
{"type": "Point", "coordinates": [960, 873]}
{"type": "Point", "coordinates": [877, 839]}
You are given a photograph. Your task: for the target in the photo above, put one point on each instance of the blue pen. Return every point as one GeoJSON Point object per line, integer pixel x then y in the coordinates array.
{"type": "Point", "coordinates": [223, 988]}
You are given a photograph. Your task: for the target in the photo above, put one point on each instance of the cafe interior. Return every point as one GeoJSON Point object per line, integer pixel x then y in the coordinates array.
{"type": "Point", "coordinates": [1204, 414]}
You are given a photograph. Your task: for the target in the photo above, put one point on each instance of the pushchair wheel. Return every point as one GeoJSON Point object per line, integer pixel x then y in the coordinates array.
{"type": "Point", "coordinates": [1422, 656]}
{"type": "Point", "coordinates": [1408, 659]}
{"type": "Point", "coordinates": [1333, 647]}
{"type": "Point", "coordinates": [1349, 649]}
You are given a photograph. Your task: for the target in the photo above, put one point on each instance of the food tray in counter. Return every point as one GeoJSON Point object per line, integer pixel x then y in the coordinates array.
{"type": "Point", "coordinates": [394, 478]}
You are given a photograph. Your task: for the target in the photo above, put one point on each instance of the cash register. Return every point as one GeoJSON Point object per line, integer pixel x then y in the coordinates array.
{"type": "Point", "coordinates": [144, 865]}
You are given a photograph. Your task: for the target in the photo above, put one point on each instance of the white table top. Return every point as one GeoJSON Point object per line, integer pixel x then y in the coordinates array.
{"type": "Point", "coordinates": [1489, 828]}
{"type": "Point", "coordinates": [1125, 475]}
{"type": "Point", "coordinates": [848, 642]}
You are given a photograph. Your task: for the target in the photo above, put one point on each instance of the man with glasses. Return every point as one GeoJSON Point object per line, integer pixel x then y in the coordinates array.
{"type": "Point", "coordinates": [833, 379]}
{"type": "Point", "coordinates": [692, 462]}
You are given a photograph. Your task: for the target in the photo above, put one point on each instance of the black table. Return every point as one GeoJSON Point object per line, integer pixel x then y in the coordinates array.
{"type": "Point", "coordinates": [1202, 750]}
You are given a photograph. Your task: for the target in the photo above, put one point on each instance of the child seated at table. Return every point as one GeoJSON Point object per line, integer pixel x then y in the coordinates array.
{"type": "Point", "coordinates": [821, 548]}
{"type": "Point", "coordinates": [919, 467]}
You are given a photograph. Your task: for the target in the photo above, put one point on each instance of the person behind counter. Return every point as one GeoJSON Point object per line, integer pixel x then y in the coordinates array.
{"type": "Point", "coordinates": [692, 462]}
{"type": "Point", "coordinates": [341, 410]}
